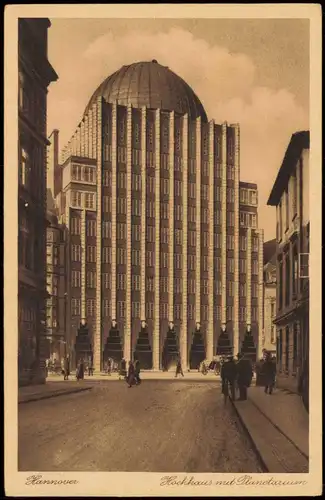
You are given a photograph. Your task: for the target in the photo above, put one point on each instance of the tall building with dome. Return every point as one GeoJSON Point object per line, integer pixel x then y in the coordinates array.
{"type": "Point", "coordinates": [165, 252]}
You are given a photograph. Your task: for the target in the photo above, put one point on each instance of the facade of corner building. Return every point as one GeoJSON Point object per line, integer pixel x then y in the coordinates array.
{"type": "Point", "coordinates": [35, 75]}
{"type": "Point", "coordinates": [269, 330]}
{"type": "Point", "coordinates": [165, 253]}
{"type": "Point", "coordinates": [290, 196]}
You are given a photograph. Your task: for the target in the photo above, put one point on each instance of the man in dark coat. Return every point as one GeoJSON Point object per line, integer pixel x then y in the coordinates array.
{"type": "Point", "coordinates": [90, 367]}
{"type": "Point", "coordinates": [229, 375]}
{"type": "Point", "coordinates": [137, 372]}
{"type": "Point", "coordinates": [269, 371]}
{"type": "Point", "coordinates": [179, 368]}
{"type": "Point", "coordinates": [244, 376]}
{"type": "Point", "coordinates": [131, 374]}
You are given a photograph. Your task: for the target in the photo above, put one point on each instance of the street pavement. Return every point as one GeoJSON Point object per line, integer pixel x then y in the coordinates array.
{"type": "Point", "coordinates": [159, 426]}
{"type": "Point", "coordinates": [31, 393]}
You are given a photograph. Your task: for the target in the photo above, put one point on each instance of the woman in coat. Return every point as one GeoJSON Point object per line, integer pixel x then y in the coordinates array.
{"type": "Point", "coordinates": [66, 368]}
{"type": "Point", "coordinates": [137, 371]}
{"type": "Point", "coordinates": [269, 371]}
{"type": "Point", "coordinates": [80, 370]}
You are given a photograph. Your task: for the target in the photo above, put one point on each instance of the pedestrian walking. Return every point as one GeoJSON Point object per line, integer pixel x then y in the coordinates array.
{"type": "Point", "coordinates": [224, 381]}
{"type": "Point", "coordinates": [80, 370]}
{"type": "Point", "coordinates": [122, 372]}
{"type": "Point", "coordinates": [131, 374]}
{"type": "Point", "coordinates": [109, 366]}
{"type": "Point", "coordinates": [229, 375]}
{"type": "Point", "coordinates": [137, 372]}
{"type": "Point", "coordinates": [179, 368]}
{"type": "Point", "coordinates": [232, 376]}
{"type": "Point", "coordinates": [244, 376]}
{"type": "Point", "coordinates": [90, 368]}
{"type": "Point", "coordinates": [269, 371]}
{"type": "Point", "coordinates": [66, 368]}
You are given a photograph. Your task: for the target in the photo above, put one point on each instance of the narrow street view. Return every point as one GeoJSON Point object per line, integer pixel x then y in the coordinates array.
{"type": "Point", "coordinates": [160, 426]}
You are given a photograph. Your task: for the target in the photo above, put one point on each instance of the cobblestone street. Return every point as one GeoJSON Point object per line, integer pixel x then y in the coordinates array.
{"type": "Point", "coordinates": [160, 426]}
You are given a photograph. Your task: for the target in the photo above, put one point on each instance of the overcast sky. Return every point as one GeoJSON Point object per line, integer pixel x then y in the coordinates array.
{"type": "Point", "coordinates": [254, 72]}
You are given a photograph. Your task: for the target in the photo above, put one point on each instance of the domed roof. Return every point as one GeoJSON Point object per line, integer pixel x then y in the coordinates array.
{"type": "Point", "coordinates": [152, 85]}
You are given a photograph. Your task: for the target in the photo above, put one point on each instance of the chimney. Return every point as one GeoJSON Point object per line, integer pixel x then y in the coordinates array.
{"type": "Point", "coordinates": [54, 169]}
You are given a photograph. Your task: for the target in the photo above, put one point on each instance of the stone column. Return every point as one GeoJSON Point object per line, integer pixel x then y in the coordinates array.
{"type": "Point", "coordinates": [156, 333]}
{"type": "Point", "coordinates": [224, 225]}
{"type": "Point", "coordinates": [236, 247]}
{"type": "Point", "coordinates": [113, 208]}
{"type": "Point", "coordinates": [143, 214]}
{"type": "Point", "coordinates": [183, 336]}
{"type": "Point", "coordinates": [171, 221]}
{"type": "Point", "coordinates": [198, 224]}
{"type": "Point", "coordinates": [128, 309]}
{"type": "Point", "coordinates": [210, 335]}
{"type": "Point", "coordinates": [97, 342]}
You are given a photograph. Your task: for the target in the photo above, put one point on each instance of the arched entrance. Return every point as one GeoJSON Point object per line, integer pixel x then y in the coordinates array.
{"type": "Point", "coordinates": [197, 351]}
{"type": "Point", "coordinates": [113, 347]}
{"type": "Point", "coordinates": [83, 347]}
{"type": "Point", "coordinates": [170, 351]}
{"type": "Point", "coordinates": [248, 347]}
{"type": "Point", "coordinates": [143, 351]}
{"type": "Point", "coordinates": [224, 347]}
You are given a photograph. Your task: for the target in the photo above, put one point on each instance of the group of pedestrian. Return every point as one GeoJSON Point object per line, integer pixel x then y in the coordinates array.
{"type": "Point", "coordinates": [239, 374]}
{"type": "Point", "coordinates": [236, 374]}
{"type": "Point", "coordinates": [133, 375]}
{"type": "Point", "coordinates": [80, 370]}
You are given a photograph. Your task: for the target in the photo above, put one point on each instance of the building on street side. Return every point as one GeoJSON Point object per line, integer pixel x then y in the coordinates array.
{"type": "Point", "coordinates": [290, 196]}
{"type": "Point", "coordinates": [56, 278]}
{"type": "Point", "coordinates": [165, 253]}
{"type": "Point", "coordinates": [269, 337]}
{"type": "Point", "coordinates": [35, 74]}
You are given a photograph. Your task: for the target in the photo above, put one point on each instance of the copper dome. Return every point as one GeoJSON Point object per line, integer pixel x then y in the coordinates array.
{"type": "Point", "coordinates": [152, 85]}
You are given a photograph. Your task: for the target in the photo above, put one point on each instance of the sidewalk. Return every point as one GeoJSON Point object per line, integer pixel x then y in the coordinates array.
{"type": "Point", "coordinates": [145, 375]}
{"type": "Point", "coordinates": [279, 428]}
{"type": "Point", "coordinates": [287, 412]}
{"type": "Point", "coordinates": [48, 390]}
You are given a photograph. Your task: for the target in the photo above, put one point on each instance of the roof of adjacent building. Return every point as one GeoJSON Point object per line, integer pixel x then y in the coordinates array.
{"type": "Point", "coordinates": [269, 250]}
{"type": "Point", "coordinates": [299, 141]}
{"type": "Point", "coordinates": [249, 185]}
{"type": "Point", "coordinates": [152, 85]}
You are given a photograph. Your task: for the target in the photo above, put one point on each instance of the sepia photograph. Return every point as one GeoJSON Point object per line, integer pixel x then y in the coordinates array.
{"type": "Point", "coordinates": [163, 203]}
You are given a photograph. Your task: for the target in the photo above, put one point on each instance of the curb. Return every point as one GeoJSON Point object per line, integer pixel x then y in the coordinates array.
{"type": "Point", "coordinates": [258, 453]}
{"type": "Point", "coordinates": [54, 395]}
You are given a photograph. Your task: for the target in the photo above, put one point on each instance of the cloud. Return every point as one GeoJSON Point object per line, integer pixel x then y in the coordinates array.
{"type": "Point", "coordinates": [225, 82]}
